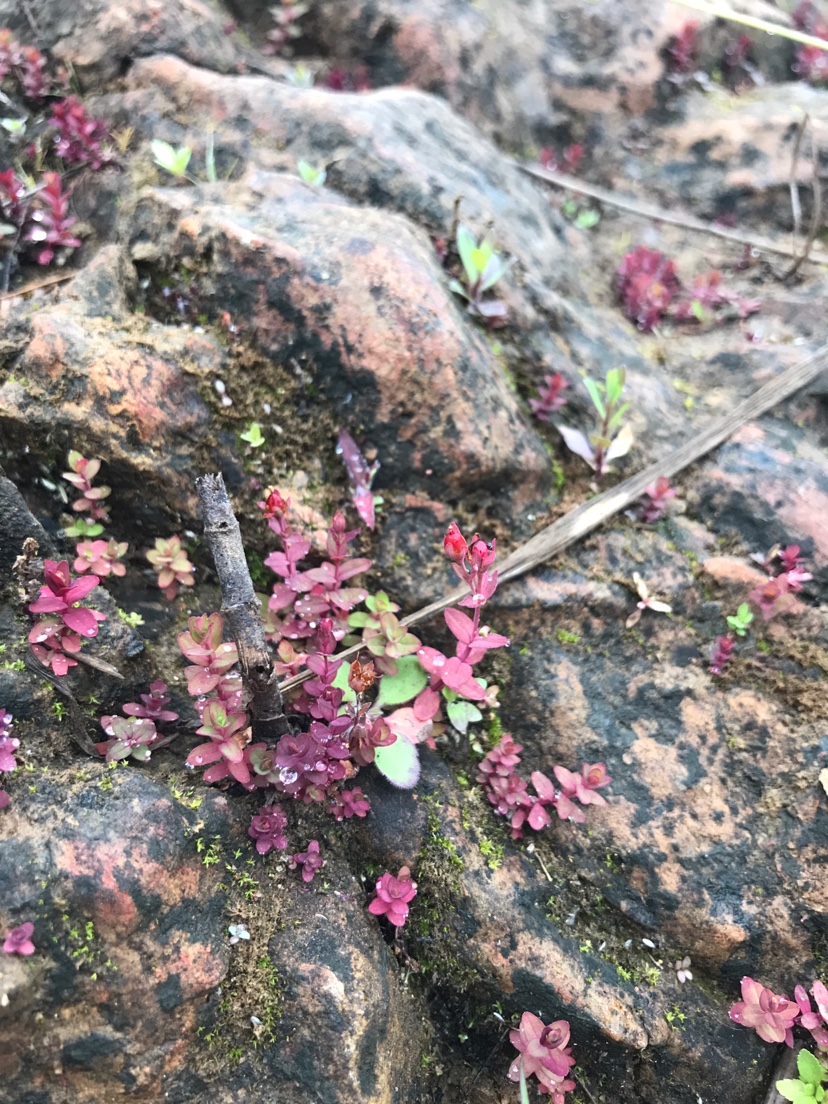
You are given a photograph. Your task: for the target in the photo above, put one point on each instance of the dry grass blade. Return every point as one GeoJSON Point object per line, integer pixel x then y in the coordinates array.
{"type": "Point", "coordinates": [673, 218]}
{"type": "Point", "coordinates": [589, 515]}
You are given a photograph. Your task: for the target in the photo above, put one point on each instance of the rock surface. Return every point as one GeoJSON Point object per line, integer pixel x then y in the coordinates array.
{"type": "Point", "coordinates": [198, 308]}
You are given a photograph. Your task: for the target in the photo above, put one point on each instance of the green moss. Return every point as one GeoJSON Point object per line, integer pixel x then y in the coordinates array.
{"type": "Point", "coordinates": [567, 637]}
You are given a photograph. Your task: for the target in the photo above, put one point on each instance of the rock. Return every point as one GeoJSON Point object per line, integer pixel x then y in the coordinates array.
{"type": "Point", "coordinates": [731, 155]}
{"type": "Point", "coordinates": [101, 39]}
{"type": "Point", "coordinates": [527, 74]}
{"type": "Point", "coordinates": [134, 987]}
{"type": "Point", "coordinates": [484, 921]}
{"type": "Point", "coordinates": [357, 296]}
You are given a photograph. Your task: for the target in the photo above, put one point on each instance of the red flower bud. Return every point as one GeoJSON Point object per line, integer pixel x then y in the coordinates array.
{"type": "Point", "coordinates": [274, 505]}
{"type": "Point", "coordinates": [454, 545]}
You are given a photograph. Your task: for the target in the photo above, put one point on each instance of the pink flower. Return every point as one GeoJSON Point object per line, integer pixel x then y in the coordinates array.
{"type": "Point", "coordinates": [310, 861]}
{"type": "Point", "coordinates": [101, 557]}
{"type": "Point", "coordinates": [772, 597]}
{"type": "Point", "coordinates": [393, 896]}
{"type": "Point", "coordinates": [771, 1016]}
{"type": "Point", "coordinates": [268, 828]}
{"type": "Point", "coordinates": [19, 940]}
{"type": "Point", "coordinates": [815, 1022]}
{"type": "Point", "coordinates": [544, 1053]}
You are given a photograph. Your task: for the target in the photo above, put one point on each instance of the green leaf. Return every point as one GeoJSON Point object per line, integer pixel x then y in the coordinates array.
{"type": "Point", "coordinates": [311, 175]}
{"type": "Point", "coordinates": [466, 247]}
{"type": "Point", "coordinates": [403, 687]}
{"type": "Point", "coordinates": [458, 289]}
{"type": "Point", "coordinates": [462, 714]}
{"type": "Point", "coordinates": [587, 219]}
{"type": "Point", "coordinates": [743, 617]}
{"type": "Point", "coordinates": [175, 161]}
{"type": "Point", "coordinates": [810, 1068]}
{"type": "Point", "coordinates": [253, 435]}
{"type": "Point", "coordinates": [795, 1091]}
{"type": "Point", "coordinates": [399, 762]}
{"type": "Point", "coordinates": [595, 394]}
{"type": "Point", "coordinates": [341, 682]}
{"type": "Point", "coordinates": [616, 378]}
{"type": "Point", "coordinates": [697, 310]}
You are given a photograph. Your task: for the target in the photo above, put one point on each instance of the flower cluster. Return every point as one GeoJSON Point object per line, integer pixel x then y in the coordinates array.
{"type": "Point", "coordinates": [101, 557]}
{"type": "Point", "coordinates": [135, 735]}
{"type": "Point", "coordinates": [356, 79]}
{"type": "Point", "coordinates": [811, 62]}
{"type": "Point", "coordinates": [773, 1017]}
{"type": "Point", "coordinates": [79, 139]}
{"type": "Point", "coordinates": [83, 472]}
{"type": "Point", "coordinates": [169, 558]}
{"type": "Point", "coordinates": [682, 50]}
{"type": "Point", "coordinates": [545, 1052]}
{"type": "Point", "coordinates": [568, 160]}
{"type": "Point", "coordinates": [649, 290]}
{"type": "Point", "coordinates": [786, 577]}
{"type": "Point", "coordinates": [8, 746]}
{"type": "Point", "coordinates": [19, 940]}
{"type": "Point", "coordinates": [49, 222]}
{"type": "Point", "coordinates": [27, 65]}
{"type": "Point", "coordinates": [304, 598]}
{"type": "Point", "coordinates": [507, 791]}
{"type": "Point", "coordinates": [267, 828]}
{"type": "Point", "coordinates": [311, 861]}
{"type": "Point", "coordinates": [550, 398]}
{"type": "Point", "coordinates": [393, 896]}
{"type": "Point", "coordinates": [227, 751]}
{"type": "Point", "coordinates": [653, 504]}
{"type": "Point", "coordinates": [57, 637]}
{"type": "Point", "coordinates": [721, 653]}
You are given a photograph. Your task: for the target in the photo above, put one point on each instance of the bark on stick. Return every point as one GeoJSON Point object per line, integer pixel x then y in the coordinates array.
{"type": "Point", "coordinates": [240, 608]}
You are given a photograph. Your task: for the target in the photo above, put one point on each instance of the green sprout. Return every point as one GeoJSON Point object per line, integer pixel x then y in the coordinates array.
{"type": "Point", "coordinates": [310, 175]}
{"type": "Point", "coordinates": [482, 268]}
{"type": "Point", "coordinates": [253, 435]}
{"type": "Point", "coordinates": [741, 620]}
{"type": "Point", "coordinates": [82, 528]}
{"type": "Point", "coordinates": [611, 439]}
{"type": "Point", "coordinates": [808, 1087]}
{"type": "Point", "coordinates": [175, 161]}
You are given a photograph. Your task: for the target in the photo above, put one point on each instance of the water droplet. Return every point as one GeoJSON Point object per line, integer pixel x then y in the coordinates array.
{"type": "Point", "coordinates": [439, 662]}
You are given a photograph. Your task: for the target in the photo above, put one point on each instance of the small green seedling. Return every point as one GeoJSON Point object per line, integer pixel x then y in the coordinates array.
{"type": "Point", "coordinates": [741, 620]}
{"type": "Point", "coordinates": [482, 268]}
{"type": "Point", "coordinates": [310, 175]}
{"type": "Point", "coordinates": [808, 1087]}
{"type": "Point", "coordinates": [611, 439]}
{"type": "Point", "coordinates": [253, 435]}
{"type": "Point", "coordinates": [16, 128]}
{"type": "Point", "coordinates": [175, 161]}
{"type": "Point", "coordinates": [83, 529]}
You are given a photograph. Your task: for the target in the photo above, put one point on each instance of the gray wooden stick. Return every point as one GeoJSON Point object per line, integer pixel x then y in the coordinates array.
{"type": "Point", "coordinates": [240, 607]}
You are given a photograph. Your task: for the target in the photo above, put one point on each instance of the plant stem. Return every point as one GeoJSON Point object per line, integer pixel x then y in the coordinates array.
{"type": "Point", "coordinates": [240, 607]}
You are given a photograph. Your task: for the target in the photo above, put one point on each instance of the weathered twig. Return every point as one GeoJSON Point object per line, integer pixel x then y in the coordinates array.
{"type": "Point", "coordinates": [589, 515]}
{"type": "Point", "coordinates": [816, 211]}
{"type": "Point", "coordinates": [240, 607]}
{"type": "Point", "coordinates": [784, 1068]}
{"type": "Point", "coordinates": [793, 183]}
{"type": "Point", "coordinates": [58, 278]}
{"type": "Point", "coordinates": [658, 214]}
